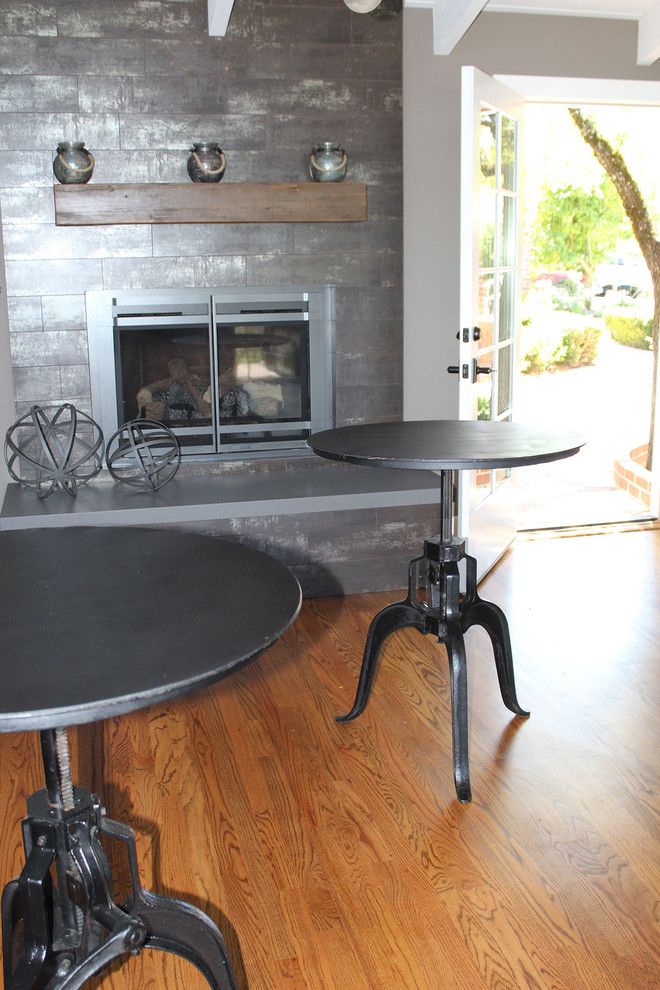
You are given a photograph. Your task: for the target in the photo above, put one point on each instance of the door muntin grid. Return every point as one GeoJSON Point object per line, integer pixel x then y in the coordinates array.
{"type": "Point", "coordinates": [498, 275]}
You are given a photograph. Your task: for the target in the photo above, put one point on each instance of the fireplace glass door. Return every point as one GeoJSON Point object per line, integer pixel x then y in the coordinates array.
{"type": "Point", "coordinates": [263, 382]}
{"type": "Point", "coordinates": [163, 367]}
{"type": "Point", "coordinates": [231, 371]}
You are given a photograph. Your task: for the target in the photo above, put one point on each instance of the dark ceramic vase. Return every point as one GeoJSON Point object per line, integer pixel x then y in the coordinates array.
{"type": "Point", "coordinates": [74, 163]}
{"type": "Point", "coordinates": [206, 163]}
{"type": "Point", "coordinates": [328, 162]}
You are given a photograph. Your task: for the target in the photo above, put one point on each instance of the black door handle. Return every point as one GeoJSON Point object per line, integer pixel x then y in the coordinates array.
{"type": "Point", "coordinates": [462, 370]}
{"type": "Point", "coordinates": [479, 369]}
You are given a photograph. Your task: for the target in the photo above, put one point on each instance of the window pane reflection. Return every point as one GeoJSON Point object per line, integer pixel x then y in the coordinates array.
{"type": "Point", "coordinates": [488, 148]}
{"type": "Point", "coordinates": [508, 154]}
{"type": "Point", "coordinates": [484, 387]}
{"type": "Point", "coordinates": [485, 316]}
{"type": "Point", "coordinates": [504, 368]}
{"type": "Point", "coordinates": [505, 327]}
{"type": "Point", "coordinates": [507, 224]}
{"type": "Point", "coordinates": [487, 217]}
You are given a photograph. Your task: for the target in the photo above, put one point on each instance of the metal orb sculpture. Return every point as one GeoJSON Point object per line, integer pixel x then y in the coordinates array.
{"type": "Point", "coordinates": [53, 448]}
{"type": "Point", "coordinates": [143, 455]}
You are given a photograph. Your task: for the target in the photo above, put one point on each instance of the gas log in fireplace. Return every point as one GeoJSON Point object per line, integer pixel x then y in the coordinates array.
{"type": "Point", "coordinates": [228, 370]}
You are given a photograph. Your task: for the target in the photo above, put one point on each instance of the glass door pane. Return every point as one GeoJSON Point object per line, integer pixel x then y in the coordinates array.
{"type": "Point", "coordinates": [498, 240]}
{"type": "Point", "coordinates": [164, 374]}
{"type": "Point", "coordinates": [263, 382]}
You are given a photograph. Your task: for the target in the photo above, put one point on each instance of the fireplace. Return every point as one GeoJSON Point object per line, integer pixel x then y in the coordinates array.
{"type": "Point", "coordinates": [228, 370]}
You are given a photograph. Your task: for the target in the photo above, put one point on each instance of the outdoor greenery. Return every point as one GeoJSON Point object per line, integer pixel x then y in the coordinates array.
{"type": "Point", "coordinates": [535, 360]}
{"type": "Point", "coordinates": [630, 330]}
{"type": "Point", "coordinates": [577, 349]}
{"type": "Point", "coordinates": [636, 209]}
{"type": "Point", "coordinates": [483, 407]}
{"type": "Point", "coordinates": [576, 229]}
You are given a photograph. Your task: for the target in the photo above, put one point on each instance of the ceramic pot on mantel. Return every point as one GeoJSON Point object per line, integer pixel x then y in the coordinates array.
{"type": "Point", "coordinates": [74, 163]}
{"type": "Point", "coordinates": [206, 163]}
{"type": "Point", "coordinates": [328, 162]}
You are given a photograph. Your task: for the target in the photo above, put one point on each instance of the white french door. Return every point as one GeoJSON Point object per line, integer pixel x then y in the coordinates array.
{"type": "Point", "coordinates": [489, 293]}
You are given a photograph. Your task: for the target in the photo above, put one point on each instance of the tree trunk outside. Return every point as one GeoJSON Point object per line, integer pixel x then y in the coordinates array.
{"type": "Point", "coordinates": [635, 207]}
{"type": "Point", "coordinates": [654, 385]}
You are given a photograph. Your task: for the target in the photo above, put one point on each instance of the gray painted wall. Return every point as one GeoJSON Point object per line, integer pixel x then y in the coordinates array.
{"type": "Point", "coordinates": [496, 43]}
{"type": "Point", "coordinates": [140, 81]}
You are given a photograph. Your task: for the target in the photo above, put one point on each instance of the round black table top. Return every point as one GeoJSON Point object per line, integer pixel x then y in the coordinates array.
{"type": "Point", "coordinates": [437, 445]}
{"type": "Point", "coordinates": [95, 622]}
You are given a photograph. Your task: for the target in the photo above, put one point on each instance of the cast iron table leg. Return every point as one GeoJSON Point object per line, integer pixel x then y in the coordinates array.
{"type": "Point", "coordinates": [435, 605]}
{"type": "Point", "coordinates": [60, 923]}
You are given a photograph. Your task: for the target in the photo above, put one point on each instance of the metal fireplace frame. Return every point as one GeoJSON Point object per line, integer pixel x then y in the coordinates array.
{"type": "Point", "coordinates": [244, 304]}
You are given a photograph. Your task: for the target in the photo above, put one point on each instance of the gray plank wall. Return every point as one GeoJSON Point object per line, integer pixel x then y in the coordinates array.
{"type": "Point", "coordinates": [138, 81]}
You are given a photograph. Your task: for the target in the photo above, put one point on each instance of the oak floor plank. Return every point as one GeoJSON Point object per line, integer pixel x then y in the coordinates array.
{"type": "Point", "coordinates": [335, 857]}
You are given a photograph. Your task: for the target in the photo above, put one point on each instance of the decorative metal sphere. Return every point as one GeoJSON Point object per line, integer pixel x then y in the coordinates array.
{"type": "Point", "coordinates": [143, 454]}
{"type": "Point", "coordinates": [54, 447]}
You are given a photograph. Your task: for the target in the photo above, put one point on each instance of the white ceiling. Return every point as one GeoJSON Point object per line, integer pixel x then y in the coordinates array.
{"type": "Point", "coordinates": [452, 18]}
{"type": "Point", "coordinates": [630, 10]}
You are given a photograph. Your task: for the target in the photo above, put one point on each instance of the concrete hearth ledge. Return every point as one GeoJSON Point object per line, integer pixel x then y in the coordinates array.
{"type": "Point", "coordinates": [200, 499]}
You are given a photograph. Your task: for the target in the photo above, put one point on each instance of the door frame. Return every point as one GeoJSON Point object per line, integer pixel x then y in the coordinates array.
{"type": "Point", "coordinates": [607, 92]}
{"type": "Point", "coordinates": [488, 523]}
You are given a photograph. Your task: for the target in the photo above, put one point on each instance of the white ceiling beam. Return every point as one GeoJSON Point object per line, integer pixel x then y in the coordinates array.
{"type": "Point", "coordinates": [451, 19]}
{"type": "Point", "coordinates": [648, 36]}
{"type": "Point", "coordinates": [219, 14]}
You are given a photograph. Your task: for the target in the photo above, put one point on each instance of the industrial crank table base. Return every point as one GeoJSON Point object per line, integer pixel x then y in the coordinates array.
{"type": "Point", "coordinates": [435, 605]}
{"type": "Point", "coordinates": [60, 923]}
{"type": "Point", "coordinates": [96, 623]}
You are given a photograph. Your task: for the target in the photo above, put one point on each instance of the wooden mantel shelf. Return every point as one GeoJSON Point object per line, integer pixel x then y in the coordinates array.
{"type": "Point", "coordinates": [222, 202]}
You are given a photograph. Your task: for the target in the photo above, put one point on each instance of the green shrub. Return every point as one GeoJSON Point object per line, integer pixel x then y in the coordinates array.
{"type": "Point", "coordinates": [534, 361]}
{"type": "Point", "coordinates": [578, 348]}
{"type": "Point", "coordinates": [568, 305]}
{"type": "Point", "coordinates": [483, 407]}
{"type": "Point", "coordinates": [630, 330]}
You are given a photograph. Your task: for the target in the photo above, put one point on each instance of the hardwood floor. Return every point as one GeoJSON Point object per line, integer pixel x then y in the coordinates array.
{"type": "Point", "coordinates": [337, 856]}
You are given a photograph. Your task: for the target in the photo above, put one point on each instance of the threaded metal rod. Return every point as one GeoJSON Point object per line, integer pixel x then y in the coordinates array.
{"type": "Point", "coordinates": [57, 768]}
{"type": "Point", "coordinates": [64, 765]}
{"type": "Point", "coordinates": [446, 506]}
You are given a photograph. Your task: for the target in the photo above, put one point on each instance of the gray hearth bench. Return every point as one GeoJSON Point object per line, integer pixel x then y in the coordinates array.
{"type": "Point", "coordinates": [340, 528]}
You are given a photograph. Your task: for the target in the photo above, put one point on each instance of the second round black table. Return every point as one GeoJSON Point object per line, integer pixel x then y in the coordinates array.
{"type": "Point", "coordinates": [95, 623]}
{"type": "Point", "coordinates": [435, 603]}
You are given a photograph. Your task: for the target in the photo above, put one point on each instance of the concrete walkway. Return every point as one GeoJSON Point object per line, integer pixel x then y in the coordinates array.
{"type": "Point", "coordinates": [610, 403]}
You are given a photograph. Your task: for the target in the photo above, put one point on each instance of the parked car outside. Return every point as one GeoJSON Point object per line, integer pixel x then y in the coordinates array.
{"type": "Point", "coordinates": [627, 278]}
